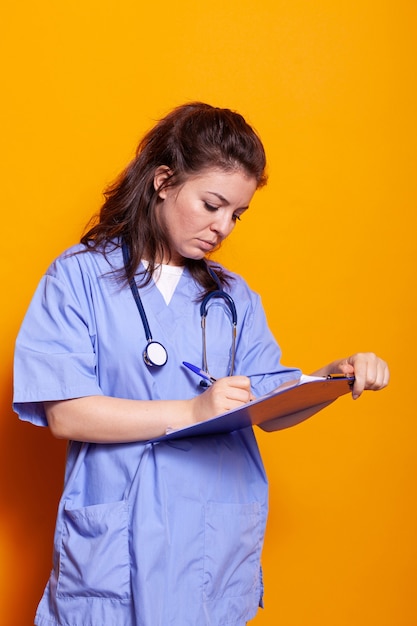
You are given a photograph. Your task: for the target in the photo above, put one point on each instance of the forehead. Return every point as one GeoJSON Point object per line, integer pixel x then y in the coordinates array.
{"type": "Point", "coordinates": [234, 182]}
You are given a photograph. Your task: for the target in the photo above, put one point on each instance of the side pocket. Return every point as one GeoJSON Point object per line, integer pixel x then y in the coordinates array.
{"type": "Point", "coordinates": [94, 556]}
{"type": "Point", "coordinates": [233, 542]}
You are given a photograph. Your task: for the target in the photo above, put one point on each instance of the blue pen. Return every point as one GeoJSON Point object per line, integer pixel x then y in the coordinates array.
{"type": "Point", "coordinates": [199, 371]}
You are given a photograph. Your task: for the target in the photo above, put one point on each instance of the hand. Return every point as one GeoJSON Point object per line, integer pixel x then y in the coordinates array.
{"type": "Point", "coordinates": [370, 372]}
{"type": "Point", "coordinates": [225, 394]}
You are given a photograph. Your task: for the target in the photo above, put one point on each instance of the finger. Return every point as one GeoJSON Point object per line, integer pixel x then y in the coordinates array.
{"type": "Point", "coordinates": [230, 392]}
{"type": "Point", "coordinates": [360, 367]}
{"type": "Point", "coordinates": [371, 373]}
{"type": "Point", "coordinates": [234, 382]}
{"type": "Point", "coordinates": [381, 378]}
{"type": "Point", "coordinates": [239, 394]}
{"type": "Point", "coordinates": [242, 382]}
{"type": "Point", "coordinates": [387, 375]}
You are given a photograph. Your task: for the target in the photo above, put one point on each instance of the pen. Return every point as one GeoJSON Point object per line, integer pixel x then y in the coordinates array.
{"type": "Point", "coordinates": [199, 371]}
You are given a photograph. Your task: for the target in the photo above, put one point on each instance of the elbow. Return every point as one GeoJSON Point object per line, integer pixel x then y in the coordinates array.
{"type": "Point", "coordinates": [58, 424]}
{"type": "Point", "coordinates": [57, 433]}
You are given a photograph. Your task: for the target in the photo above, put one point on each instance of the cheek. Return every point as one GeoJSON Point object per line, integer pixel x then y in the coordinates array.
{"type": "Point", "coordinates": [231, 227]}
{"type": "Point", "coordinates": [187, 220]}
{"type": "Point", "coordinates": [182, 218]}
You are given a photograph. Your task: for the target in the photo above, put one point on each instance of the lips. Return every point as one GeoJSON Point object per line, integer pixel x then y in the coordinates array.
{"type": "Point", "coordinates": [207, 245]}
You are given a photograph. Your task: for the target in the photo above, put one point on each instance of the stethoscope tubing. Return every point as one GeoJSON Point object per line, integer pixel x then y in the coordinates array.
{"type": "Point", "coordinates": [135, 292]}
{"type": "Point", "coordinates": [155, 354]}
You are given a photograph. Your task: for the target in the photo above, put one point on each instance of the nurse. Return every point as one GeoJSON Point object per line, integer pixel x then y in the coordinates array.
{"type": "Point", "coordinates": [151, 534]}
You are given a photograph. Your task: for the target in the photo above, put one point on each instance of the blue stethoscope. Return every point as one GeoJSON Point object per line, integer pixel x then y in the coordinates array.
{"type": "Point", "coordinates": [155, 354]}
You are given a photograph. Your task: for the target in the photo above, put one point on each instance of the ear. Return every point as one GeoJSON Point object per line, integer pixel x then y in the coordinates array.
{"type": "Point", "coordinates": [162, 174]}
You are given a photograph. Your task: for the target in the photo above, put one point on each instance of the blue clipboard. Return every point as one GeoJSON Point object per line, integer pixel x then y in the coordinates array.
{"type": "Point", "coordinates": [284, 407]}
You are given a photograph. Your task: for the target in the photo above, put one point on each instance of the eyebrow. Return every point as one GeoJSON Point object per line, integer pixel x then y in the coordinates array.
{"type": "Point", "coordinates": [225, 201]}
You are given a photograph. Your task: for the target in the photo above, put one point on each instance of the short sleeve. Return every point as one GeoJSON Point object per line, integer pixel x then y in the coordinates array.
{"type": "Point", "coordinates": [54, 353]}
{"type": "Point", "coordinates": [262, 354]}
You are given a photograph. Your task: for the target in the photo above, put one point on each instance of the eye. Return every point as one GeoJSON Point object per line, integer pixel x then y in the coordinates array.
{"type": "Point", "coordinates": [236, 218]}
{"type": "Point", "coordinates": [210, 207]}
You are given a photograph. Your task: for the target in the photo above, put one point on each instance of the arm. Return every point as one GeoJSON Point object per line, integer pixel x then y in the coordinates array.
{"type": "Point", "coordinates": [370, 372]}
{"type": "Point", "coordinates": [103, 419]}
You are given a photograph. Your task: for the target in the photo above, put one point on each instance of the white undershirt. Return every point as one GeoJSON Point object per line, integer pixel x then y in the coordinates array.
{"type": "Point", "coordinates": [166, 278]}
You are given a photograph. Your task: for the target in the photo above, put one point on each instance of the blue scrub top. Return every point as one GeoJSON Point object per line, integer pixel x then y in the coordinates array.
{"type": "Point", "coordinates": [147, 534]}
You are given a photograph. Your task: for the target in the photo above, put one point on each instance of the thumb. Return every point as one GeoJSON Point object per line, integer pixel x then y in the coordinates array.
{"type": "Point", "coordinates": [347, 368]}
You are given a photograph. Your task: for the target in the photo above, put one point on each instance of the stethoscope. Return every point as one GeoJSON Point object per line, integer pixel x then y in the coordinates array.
{"type": "Point", "coordinates": [155, 354]}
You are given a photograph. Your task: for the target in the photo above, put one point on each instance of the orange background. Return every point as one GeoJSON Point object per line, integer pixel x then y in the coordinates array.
{"type": "Point", "coordinates": [330, 245]}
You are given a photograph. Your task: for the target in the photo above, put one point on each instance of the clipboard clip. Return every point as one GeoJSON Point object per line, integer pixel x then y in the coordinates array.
{"type": "Point", "coordinates": [350, 379]}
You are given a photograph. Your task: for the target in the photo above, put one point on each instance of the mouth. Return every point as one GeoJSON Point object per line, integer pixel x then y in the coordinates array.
{"type": "Point", "coordinates": [207, 245]}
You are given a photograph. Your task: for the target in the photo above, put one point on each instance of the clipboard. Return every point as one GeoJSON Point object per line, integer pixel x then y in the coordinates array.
{"type": "Point", "coordinates": [286, 406]}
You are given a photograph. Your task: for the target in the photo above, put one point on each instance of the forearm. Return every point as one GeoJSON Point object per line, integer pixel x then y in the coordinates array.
{"type": "Point", "coordinates": [103, 419]}
{"type": "Point", "coordinates": [331, 368]}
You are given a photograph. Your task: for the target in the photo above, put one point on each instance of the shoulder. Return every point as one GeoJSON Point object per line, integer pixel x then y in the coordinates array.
{"type": "Point", "coordinates": [236, 284]}
{"type": "Point", "coordinates": [247, 301]}
{"type": "Point", "coordinates": [81, 260]}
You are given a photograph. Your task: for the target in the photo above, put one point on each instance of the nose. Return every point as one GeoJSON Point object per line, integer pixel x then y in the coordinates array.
{"type": "Point", "coordinates": [222, 224]}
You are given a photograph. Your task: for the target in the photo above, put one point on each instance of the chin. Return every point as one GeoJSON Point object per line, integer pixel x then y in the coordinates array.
{"type": "Point", "coordinates": [195, 256]}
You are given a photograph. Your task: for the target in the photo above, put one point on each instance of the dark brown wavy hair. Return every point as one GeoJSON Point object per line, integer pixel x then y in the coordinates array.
{"type": "Point", "coordinates": [191, 138]}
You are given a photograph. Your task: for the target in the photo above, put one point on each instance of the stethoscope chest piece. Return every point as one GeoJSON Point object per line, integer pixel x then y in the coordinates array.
{"type": "Point", "coordinates": [155, 354]}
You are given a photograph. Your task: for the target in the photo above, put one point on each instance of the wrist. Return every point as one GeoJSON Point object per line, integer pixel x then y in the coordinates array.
{"type": "Point", "coordinates": [335, 367]}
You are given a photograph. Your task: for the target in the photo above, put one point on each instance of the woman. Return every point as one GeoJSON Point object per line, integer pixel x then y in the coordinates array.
{"type": "Point", "coordinates": [153, 534]}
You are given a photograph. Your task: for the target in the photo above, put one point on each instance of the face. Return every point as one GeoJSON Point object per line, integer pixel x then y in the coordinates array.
{"type": "Point", "coordinates": [199, 214]}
